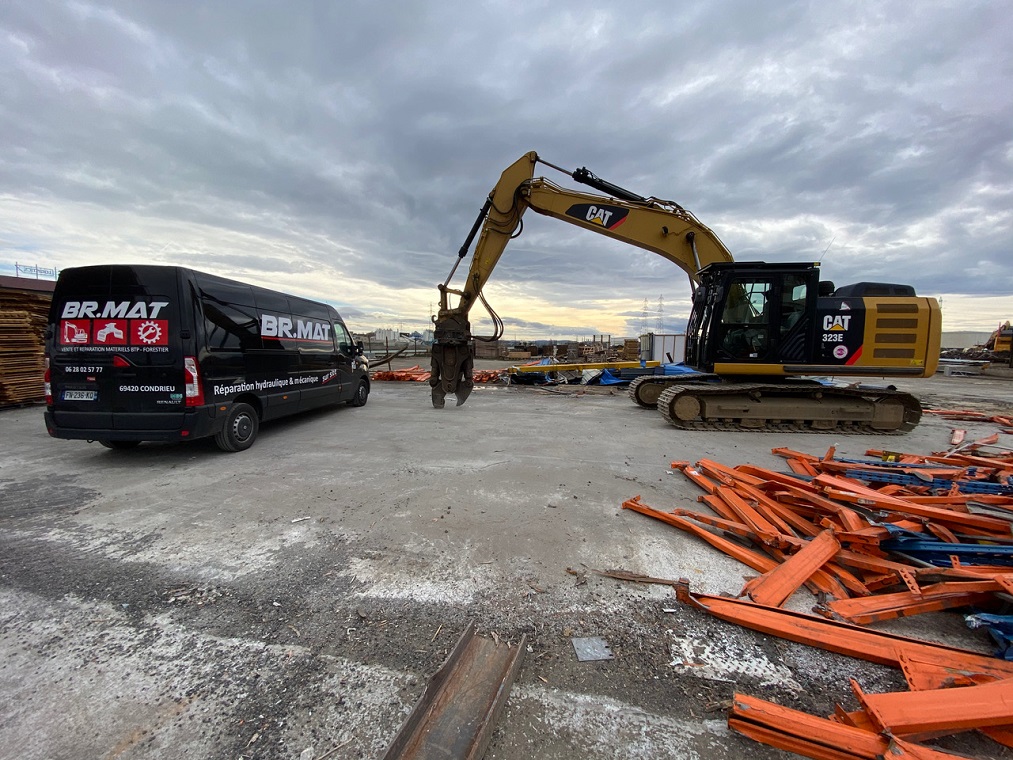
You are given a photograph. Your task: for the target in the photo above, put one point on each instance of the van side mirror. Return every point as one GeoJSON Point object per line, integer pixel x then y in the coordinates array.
{"type": "Point", "coordinates": [359, 349]}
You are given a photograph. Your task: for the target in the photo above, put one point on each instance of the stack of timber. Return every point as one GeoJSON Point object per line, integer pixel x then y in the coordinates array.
{"type": "Point", "coordinates": [630, 350]}
{"type": "Point", "coordinates": [21, 358]}
{"type": "Point", "coordinates": [23, 317]}
{"type": "Point", "coordinates": [874, 539]}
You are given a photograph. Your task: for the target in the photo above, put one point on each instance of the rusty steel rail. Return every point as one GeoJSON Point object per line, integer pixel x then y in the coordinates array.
{"type": "Point", "coordinates": [456, 714]}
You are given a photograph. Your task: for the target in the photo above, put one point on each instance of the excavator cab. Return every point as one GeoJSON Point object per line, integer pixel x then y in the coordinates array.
{"type": "Point", "coordinates": [753, 316]}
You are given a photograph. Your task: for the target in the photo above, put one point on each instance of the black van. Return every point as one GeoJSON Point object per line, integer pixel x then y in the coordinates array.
{"type": "Point", "coordinates": [161, 353]}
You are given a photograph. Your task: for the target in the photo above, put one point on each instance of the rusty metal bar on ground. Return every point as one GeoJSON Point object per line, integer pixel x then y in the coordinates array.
{"type": "Point", "coordinates": [456, 714]}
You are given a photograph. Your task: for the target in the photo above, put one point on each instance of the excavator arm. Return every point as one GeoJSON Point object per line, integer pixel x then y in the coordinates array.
{"type": "Point", "coordinates": [663, 227]}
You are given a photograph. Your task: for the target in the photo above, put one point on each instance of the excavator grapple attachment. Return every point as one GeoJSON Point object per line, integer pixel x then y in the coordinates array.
{"type": "Point", "coordinates": [452, 368]}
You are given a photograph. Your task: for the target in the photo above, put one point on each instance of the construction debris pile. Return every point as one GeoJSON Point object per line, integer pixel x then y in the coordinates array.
{"type": "Point", "coordinates": [994, 350]}
{"type": "Point", "coordinates": [970, 415]}
{"type": "Point", "coordinates": [418, 375]}
{"type": "Point", "coordinates": [875, 539]}
{"type": "Point", "coordinates": [22, 348]}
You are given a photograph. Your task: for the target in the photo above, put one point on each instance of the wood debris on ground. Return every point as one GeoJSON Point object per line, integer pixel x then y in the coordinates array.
{"type": "Point", "coordinates": [877, 538]}
{"type": "Point", "coordinates": [417, 374]}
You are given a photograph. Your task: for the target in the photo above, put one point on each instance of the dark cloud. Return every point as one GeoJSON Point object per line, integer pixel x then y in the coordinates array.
{"type": "Point", "coordinates": [357, 142]}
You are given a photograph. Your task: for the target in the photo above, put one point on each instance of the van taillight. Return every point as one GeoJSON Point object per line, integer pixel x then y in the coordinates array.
{"type": "Point", "coordinates": [47, 383]}
{"type": "Point", "coordinates": [194, 389]}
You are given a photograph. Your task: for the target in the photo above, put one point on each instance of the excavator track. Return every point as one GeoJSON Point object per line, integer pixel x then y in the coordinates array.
{"type": "Point", "coordinates": [797, 408]}
{"type": "Point", "coordinates": [645, 390]}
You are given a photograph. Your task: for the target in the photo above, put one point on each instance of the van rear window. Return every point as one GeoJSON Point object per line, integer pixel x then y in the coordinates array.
{"type": "Point", "coordinates": [102, 311]}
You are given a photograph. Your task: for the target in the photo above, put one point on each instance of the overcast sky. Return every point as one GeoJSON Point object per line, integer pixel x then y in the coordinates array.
{"type": "Point", "coordinates": [341, 150]}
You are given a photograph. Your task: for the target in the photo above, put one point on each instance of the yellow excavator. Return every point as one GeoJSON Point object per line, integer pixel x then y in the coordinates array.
{"type": "Point", "coordinates": [760, 335]}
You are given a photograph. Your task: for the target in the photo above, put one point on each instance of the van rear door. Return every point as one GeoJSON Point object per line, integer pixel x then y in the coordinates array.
{"type": "Point", "coordinates": [116, 352]}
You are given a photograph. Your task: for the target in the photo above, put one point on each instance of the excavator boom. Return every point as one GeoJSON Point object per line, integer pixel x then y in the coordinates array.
{"type": "Point", "coordinates": [663, 227]}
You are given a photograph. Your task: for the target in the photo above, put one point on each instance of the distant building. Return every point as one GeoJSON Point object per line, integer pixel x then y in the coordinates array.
{"type": "Point", "coordinates": [964, 339]}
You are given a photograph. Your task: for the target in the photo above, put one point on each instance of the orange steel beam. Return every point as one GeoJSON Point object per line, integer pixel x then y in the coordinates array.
{"type": "Point", "coordinates": [923, 673]}
{"type": "Point", "coordinates": [849, 518]}
{"type": "Point", "coordinates": [824, 738]}
{"type": "Point", "coordinates": [787, 453]}
{"type": "Point", "coordinates": [697, 477]}
{"type": "Point", "coordinates": [942, 533]}
{"type": "Point", "coordinates": [759, 562]}
{"type": "Point", "coordinates": [771, 476]}
{"type": "Point", "coordinates": [768, 507]}
{"type": "Point", "coordinates": [781, 582]}
{"type": "Point", "coordinates": [768, 532]}
{"type": "Point", "coordinates": [731, 526]}
{"type": "Point", "coordinates": [891, 606]}
{"type": "Point", "coordinates": [843, 638]}
{"type": "Point", "coordinates": [801, 467]}
{"type": "Point", "coordinates": [850, 581]}
{"type": "Point", "coordinates": [949, 710]}
{"type": "Point", "coordinates": [718, 506]}
{"type": "Point", "coordinates": [851, 491]}
{"type": "Point", "coordinates": [733, 474]}
{"type": "Point", "coordinates": [820, 580]}
{"type": "Point", "coordinates": [799, 524]}
{"type": "Point", "coordinates": [869, 563]}
{"type": "Point", "coordinates": [827, 580]}
{"type": "Point", "coordinates": [773, 737]}
{"type": "Point", "coordinates": [816, 737]}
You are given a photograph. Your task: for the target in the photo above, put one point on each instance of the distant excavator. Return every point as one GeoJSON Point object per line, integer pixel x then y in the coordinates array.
{"type": "Point", "coordinates": [756, 332]}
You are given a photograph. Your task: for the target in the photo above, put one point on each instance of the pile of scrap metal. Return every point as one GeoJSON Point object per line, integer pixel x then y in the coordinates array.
{"type": "Point", "coordinates": [1001, 339]}
{"type": "Point", "coordinates": [874, 539]}
{"type": "Point", "coordinates": [970, 415]}
{"type": "Point", "coordinates": [995, 350]}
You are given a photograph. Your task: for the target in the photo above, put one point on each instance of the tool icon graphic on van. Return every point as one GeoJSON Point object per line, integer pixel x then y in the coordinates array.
{"type": "Point", "coordinates": [149, 332]}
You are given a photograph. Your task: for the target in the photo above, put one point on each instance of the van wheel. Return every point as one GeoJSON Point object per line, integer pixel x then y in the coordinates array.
{"type": "Point", "coordinates": [123, 445]}
{"type": "Point", "coordinates": [241, 426]}
{"type": "Point", "coordinates": [361, 395]}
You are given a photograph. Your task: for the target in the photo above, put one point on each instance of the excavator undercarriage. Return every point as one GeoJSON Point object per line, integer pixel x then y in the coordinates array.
{"type": "Point", "coordinates": [705, 402]}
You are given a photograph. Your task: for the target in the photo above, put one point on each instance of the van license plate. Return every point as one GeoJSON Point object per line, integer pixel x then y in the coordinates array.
{"type": "Point", "coordinates": [80, 395]}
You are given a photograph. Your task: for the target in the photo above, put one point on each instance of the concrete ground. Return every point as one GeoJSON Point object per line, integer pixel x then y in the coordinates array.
{"type": "Point", "coordinates": [292, 600]}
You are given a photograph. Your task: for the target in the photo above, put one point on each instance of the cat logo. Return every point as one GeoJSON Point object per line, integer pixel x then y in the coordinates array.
{"type": "Point", "coordinates": [839, 323]}
{"type": "Point", "coordinates": [598, 214]}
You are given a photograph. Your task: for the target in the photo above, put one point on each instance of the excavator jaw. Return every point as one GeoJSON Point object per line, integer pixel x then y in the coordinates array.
{"type": "Point", "coordinates": [453, 362]}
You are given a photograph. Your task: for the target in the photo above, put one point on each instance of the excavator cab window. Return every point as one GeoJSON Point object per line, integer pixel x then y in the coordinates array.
{"type": "Point", "coordinates": [765, 318]}
{"type": "Point", "coordinates": [745, 321]}
{"type": "Point", "coordinates": [792, 344]}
